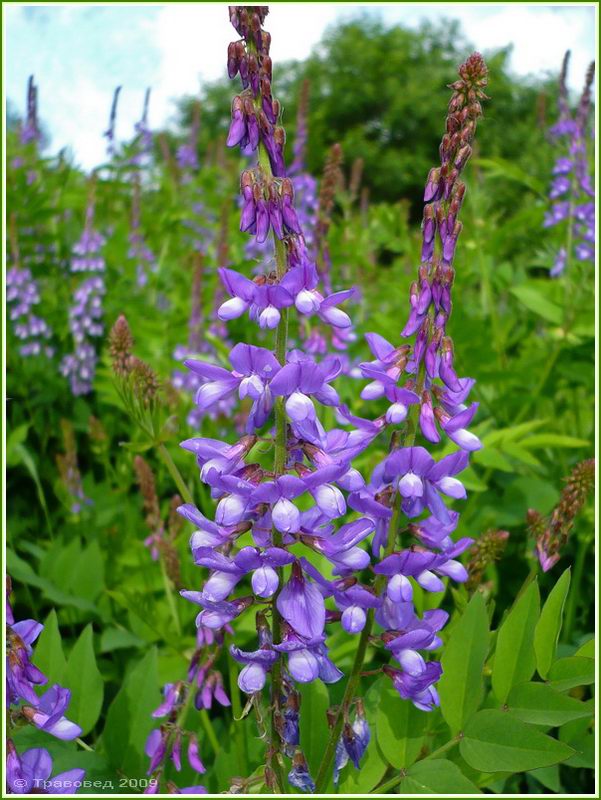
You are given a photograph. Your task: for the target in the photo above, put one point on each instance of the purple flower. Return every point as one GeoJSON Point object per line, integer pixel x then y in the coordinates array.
{"type": "Point", "coordinates": [420, 480]}
{"type": "Point", "coordinates": [21, 674]}
{"type": "Point", "coordinates": [216, 614]}
{"type": "Point", "coordinates": [22, 294]}
{"type": "Point", "coordinates": [156, 748]}
{"type": "Point", "coordinates": [354, 603]}
{"type": "Point", "coordinates": [307, 657]}
{"type": "Point", "coordinates": [353, 743]}
{"type": "Point", "coordinates": [302, 605]}
{"type": "Point", "coordinates": [84, 323]}
{"type": "Point", "coordinates": [299, 776]}
{"type": "Point", "coordinates": [194, 755]}
{"type": "Point", "coordinates": [418, 684]}
{"type": "Point", "coordinates": [49, 714]}
{"type": "Point", "coordinates": [571, 186]}
{"type": "Point", "coordinates": [254, 370]}
{"type": "Point", "coordinates": [29, 773]}
{"type": "Point", "coordinates": [279, 494]}
{"type": "Point", "coordinates": [302, 378]}
{"type": "Point", "coordinates": [257, 664]}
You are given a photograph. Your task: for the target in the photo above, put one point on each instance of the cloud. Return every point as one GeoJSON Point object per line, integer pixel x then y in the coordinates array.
{"type": "Point", "coordinates": [80, 53]}
{"type": "Point", "coordinates": [191, 41]}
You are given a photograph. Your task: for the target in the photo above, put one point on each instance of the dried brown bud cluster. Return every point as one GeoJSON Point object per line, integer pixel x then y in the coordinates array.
{"type": "Point", "coordinates": [97, 430]}
{"type": "Point", "coordinates": [147, 484]}
{"type": "Point", "coordinates": [69, 469]}
{"type": "Point", "coordinates": [142, 378]}
{"type": "Point", "coordinates": [355, 181]}
{"type": "Point", "coordinates": [160, 543]}
{"type": "Point", "coordinates": [121, 343]}
{"type": "Point", "coordinates": [585, 99]}
{"type": "Point", "coordinates": [552, 534]}
{"type": "Point", "coordinates": [330, 183]}
{"type": "Point", "coordinates": [486, 550]}
{"type": "Point", "coordinates": [144, 381]}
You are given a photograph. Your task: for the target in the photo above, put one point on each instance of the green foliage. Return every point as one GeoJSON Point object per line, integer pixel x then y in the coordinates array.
{"type": "Point", "coordinates": [494, 741]}
{"type": "Point", "coordinates": [541, 704]}
{"type": "Point", "coordinates": [400, 729]}
{"type": "Point", "coordinates": [85, 682]}
{"type": "Point", "coordinates": [548, 627]}
{"type": "Point", "coordinates": [517, 708]}
{"type": "Point", "coordinates": [573, 671]}
{"type": "Point", "coordinates": [435, 777]}
{"type": "Point", "coordinates": [460, 686]}
{"type": "Point", "coordinates": [514, 659]}
{"type": "Point", "coordinates": [128, 720]}
{"type": "Point", "coordinates": [315, 702]}
{"type": "Point", "coordinates": [49, 656]}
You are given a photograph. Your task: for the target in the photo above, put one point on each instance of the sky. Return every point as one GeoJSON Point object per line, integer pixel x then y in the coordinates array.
{"type": "Point", "coordinates": [80, 53]}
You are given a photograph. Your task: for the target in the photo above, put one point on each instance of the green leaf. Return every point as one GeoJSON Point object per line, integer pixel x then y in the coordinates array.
{"type": "Point", "coordinates": [118, 638]}
{"type": "Point", "coordinates": [513, 433]}
{"type": "Point", "coordinates": [88, 581]}
{"type": "Point", "coordinates": [494, 458]}
{"type": "Point", "coordinates": [535, 301]}
{"type": "Point", "coordinates": [85, 682]}
{"type": "Point", "coordinates": [48, 654]}
{"type": "Point", "coordinates": [585, 752]}
{"type": "Point", "coordinates": [548, 777]}
{"type": "Point", "coordinates": [314, 731]}
{"type": "Point", "coordinates": [587, 650]}
{"type": "Point", "coordinates": [540, 704]}
{"type": "Point", "coordinates": [573, 671]}
{"type": "Point", "coordinates": [20, 570]}
{"type": "Point", "coordinates": [494, 741]}
{"type": "Point", "coordinates": [128, 720]}
{"type": "Point", "coordinates": [436, 776]}
{"type": "Point", "coordinates": [553, 440]}
{"type": "Point", "coordinates": [16, 437]}
{"type": "Point", "coordinates": [548, 627]}
{"type": "Point", "coordinates": [20, 455]}
{"type": "Point", "coordinates": [61, 565]}
{"type": "Point", "coordinates": [400, 728]}
{"type": "Point", "coordinates": [508, 170]}
{"type": "Point", "coordinates": [514, 657]}
{"type": "Point", "coordinates": [460, 686]}
{"type": "Point", "coordinates": [520, 453]}
{"type": "Point", "coordinates": [571, 731]}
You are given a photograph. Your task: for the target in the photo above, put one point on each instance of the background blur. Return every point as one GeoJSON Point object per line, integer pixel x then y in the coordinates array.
{"type": "Point", "coordinates": [376, 82]}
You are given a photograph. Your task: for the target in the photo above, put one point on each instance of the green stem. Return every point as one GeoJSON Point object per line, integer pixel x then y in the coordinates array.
{"type": "Point", "coordinates": [170, 598]}
{"type": "Point", "coordinates": [239, 738]}
{"type": "Point", "coordinates": [175, 473]}
{"type": "Point", "coordinates": [85, 746]}
{"type": "Point", "coordinates": [208, 727]}
{"type": "Point", "coordinates": [323, 775]}
{"type": "Point", "coordinates": [279, 466]}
